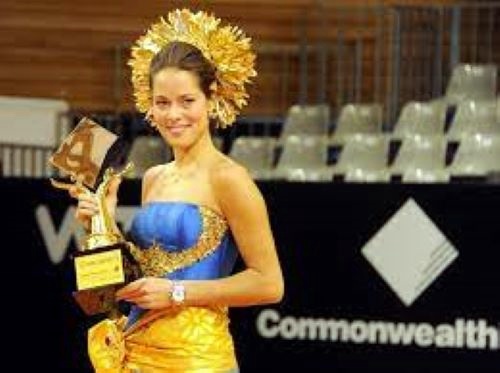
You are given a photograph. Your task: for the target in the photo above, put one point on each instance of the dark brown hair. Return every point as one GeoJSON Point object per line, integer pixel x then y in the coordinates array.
{"type": "Point", "coordinates": [187, 57]}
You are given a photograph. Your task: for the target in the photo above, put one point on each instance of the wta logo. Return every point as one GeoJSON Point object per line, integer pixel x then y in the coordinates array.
{"type": "Point", "coordinates": [58, 238]}
{"type": "Point", "coordinates": [462, 333]}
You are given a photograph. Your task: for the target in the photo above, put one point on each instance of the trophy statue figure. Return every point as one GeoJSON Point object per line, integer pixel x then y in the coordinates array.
{"type": "Point", "coordinates": [102, 226]}
{"type": "Point", "coordinates": [104, 262]}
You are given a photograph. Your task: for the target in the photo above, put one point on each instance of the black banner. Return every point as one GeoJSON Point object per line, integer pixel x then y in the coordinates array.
{"type": "Point", "coordinates": [339, 313]}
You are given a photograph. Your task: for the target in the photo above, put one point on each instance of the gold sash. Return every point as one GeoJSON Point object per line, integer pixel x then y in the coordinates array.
{"type": "Point", "coordinates": [191, 339]}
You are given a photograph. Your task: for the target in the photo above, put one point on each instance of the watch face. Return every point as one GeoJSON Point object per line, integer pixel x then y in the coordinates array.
{"type": "Point", "coordinates": [178, 293]}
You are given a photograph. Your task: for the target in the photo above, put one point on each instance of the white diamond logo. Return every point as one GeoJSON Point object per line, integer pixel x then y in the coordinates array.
{"type": "Point", "coordinates": [409, 252]}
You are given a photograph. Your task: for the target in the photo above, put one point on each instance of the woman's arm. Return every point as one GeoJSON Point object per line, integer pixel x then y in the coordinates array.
{"type": "Point", "coordinates": [245, 210]}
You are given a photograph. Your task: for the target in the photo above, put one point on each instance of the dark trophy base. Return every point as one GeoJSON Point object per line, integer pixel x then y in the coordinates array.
{"type": "Point", "coordinates": [101, 299]}
{"type": "Point", "coordinates": [97, 301]}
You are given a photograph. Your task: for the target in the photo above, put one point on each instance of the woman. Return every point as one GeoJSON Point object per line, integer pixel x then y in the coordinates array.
{"type": "Point", "coordinates": [197, 213]}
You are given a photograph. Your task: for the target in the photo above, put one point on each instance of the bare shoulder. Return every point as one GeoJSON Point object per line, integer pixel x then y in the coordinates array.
{"type": "Point", "coordinates": [226, 172]}
{"type": "Point", "coordinates": [232, 183]}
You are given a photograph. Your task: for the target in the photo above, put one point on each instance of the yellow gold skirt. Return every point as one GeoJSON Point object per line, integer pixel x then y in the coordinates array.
{"type": "Point", "coordinates": [192, 339]}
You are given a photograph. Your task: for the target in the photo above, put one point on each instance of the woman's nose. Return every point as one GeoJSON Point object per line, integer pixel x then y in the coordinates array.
{"type": "Point", "coordinates": [174, 112]}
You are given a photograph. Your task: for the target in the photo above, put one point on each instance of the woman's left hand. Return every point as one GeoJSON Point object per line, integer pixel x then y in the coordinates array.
{"type": "Point", "coordinates": [147, 293]}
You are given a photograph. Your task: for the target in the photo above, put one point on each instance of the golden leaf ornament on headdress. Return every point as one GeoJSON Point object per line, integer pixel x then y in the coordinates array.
{"type": "Point", "coordinates": [226, 47]}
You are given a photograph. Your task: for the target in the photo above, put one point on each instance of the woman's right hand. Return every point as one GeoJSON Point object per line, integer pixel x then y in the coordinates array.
{"type": "Point", "coordinates": [86, 206]}
{"type": "Point", "coordinates": [87, 202]}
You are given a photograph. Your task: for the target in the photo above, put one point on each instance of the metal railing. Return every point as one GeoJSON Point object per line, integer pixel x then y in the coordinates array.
{"type": "Point", "coordinates": [25, 160]}
{"type": "Point", "coordinates": [391, 54]}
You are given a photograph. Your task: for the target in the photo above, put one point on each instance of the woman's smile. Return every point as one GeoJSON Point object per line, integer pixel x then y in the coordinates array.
{"type": "Point", "coordinates": [177, 129]}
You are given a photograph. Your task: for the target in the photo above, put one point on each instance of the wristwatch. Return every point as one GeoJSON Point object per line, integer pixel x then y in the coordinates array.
{"type": "Point", "coordinates": [178, 293]}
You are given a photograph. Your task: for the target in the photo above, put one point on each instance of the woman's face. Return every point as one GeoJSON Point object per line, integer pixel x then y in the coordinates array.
{"type": "Point", "coordinates": [180, 108]}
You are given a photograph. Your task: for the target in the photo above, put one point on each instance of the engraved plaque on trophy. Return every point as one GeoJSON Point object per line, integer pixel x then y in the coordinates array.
{"type": "Point", "coordinates": [104, 263]}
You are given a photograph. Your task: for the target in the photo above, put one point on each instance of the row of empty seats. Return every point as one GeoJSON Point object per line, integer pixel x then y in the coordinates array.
{"type": "Point", "coordinates": [362, 158]}
{"type": "Point", "coordinates": [367, 158]}
{"type": "Point", "coordinates": [416, 118]}
{"type": "Point", "coordinates": [470, 99]}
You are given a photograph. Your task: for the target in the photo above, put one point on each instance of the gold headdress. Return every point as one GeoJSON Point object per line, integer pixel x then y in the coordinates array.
{"type": "Point", "coordinates": [226, 48]}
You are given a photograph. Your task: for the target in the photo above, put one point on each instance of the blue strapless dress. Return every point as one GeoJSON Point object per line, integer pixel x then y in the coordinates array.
{"type": "Point", "coordinates": [175, 228]}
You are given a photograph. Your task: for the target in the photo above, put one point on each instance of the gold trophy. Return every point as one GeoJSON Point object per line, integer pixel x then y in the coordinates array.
{"type": "Point", "coordinates": [104, 263]}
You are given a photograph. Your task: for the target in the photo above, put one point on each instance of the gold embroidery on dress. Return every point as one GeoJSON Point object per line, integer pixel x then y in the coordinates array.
{"type": "Point", "coordinates": [156, 261]}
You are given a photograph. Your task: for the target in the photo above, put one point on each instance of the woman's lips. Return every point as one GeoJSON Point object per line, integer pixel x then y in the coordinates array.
{"type": "Point", "coordinates": [178, 129]}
